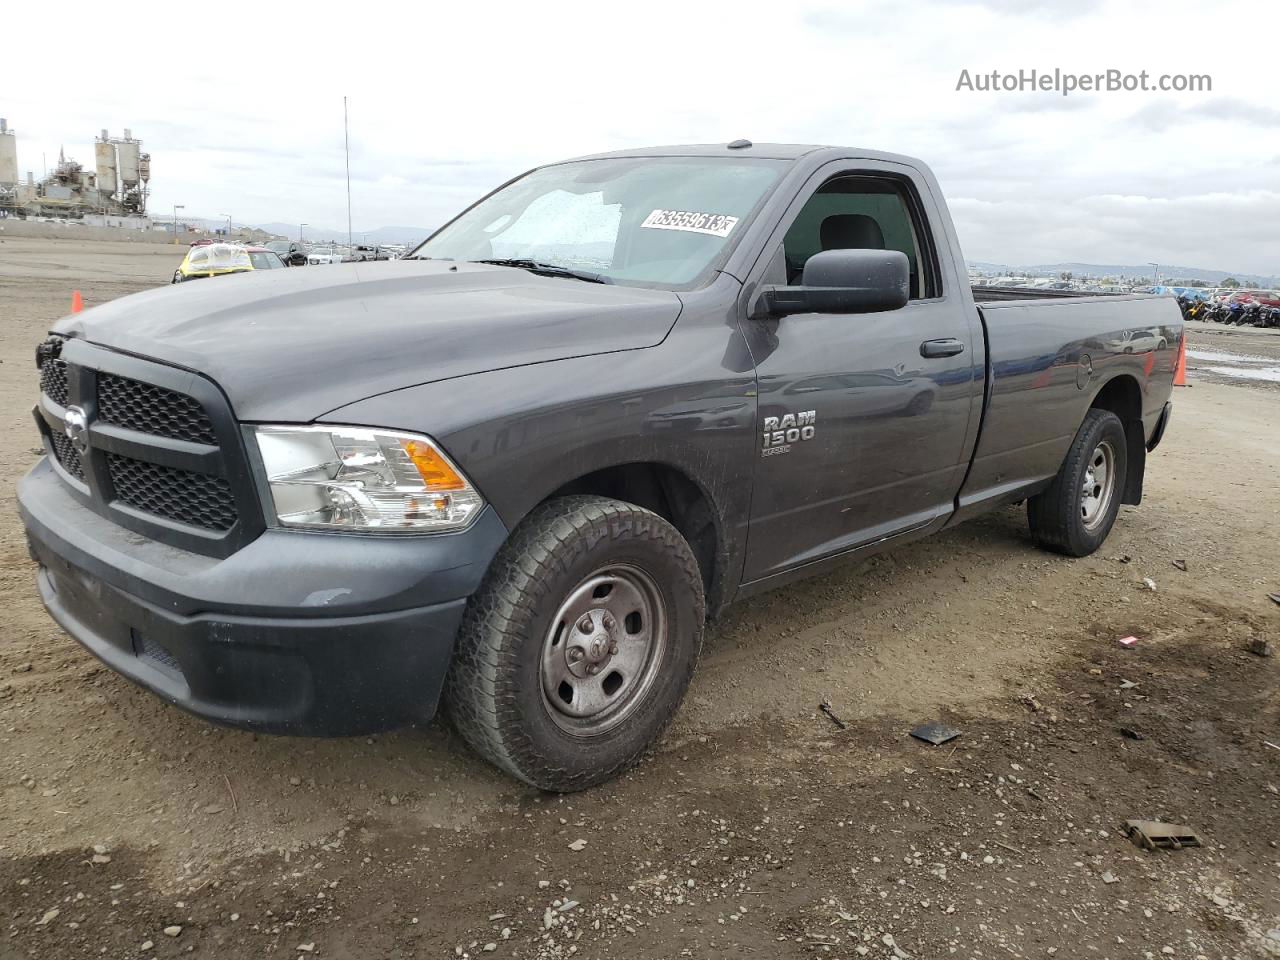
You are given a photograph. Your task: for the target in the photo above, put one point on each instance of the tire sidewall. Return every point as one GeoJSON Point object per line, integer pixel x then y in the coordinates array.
{"type": "Point", "coordinates": [1104, 425]}
{"type": "Point", "coordinates": [536, 748]}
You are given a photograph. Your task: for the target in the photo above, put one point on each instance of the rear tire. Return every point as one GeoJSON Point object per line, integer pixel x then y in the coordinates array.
{"type": "Point", "coordinates": [1076, 512]}
{"type": "Point", "coordinates": [579, 645]}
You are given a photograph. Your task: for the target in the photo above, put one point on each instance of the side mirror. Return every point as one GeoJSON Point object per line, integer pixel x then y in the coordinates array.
{"type": "Point", "coordinates": [842, 281]}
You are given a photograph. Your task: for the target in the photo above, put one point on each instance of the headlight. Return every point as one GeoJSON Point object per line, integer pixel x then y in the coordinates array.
{"type": "Point", "coordinates": [349, 478]}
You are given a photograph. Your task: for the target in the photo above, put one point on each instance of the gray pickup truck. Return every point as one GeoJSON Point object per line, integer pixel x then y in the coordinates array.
{"type": "Point", "coordinates": [518, 470]}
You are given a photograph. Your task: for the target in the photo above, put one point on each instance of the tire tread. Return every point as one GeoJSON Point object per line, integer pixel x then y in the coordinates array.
{"type": "Point", "coordinates": [480, 692]}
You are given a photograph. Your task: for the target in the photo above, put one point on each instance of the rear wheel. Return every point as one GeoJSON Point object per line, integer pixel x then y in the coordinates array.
{"type": "Point", "coordinates": [580, 643]}
{"type": "Point", "coordinates": [1076, 512]}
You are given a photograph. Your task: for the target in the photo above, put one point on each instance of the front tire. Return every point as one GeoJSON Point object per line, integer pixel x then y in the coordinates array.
{"type": "Point", "coordinates": [579, 645]}
{"type": "Point", "coordinates": [1076, 512]}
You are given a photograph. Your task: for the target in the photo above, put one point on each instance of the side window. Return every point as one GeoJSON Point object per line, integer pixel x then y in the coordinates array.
{"type": "Point", "coordinates": [861, 213]}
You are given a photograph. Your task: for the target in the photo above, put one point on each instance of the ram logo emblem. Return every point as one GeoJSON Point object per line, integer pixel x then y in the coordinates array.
{"type": "Point", "coordinates": [781, 433]}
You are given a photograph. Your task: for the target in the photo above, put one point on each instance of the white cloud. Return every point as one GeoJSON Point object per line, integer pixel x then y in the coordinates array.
{"type": "Point", "coordinates": [243, 113]}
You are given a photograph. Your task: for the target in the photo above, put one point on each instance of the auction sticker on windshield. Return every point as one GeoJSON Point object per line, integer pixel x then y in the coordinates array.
{"type": "Point", "coordinates": [712, 224]}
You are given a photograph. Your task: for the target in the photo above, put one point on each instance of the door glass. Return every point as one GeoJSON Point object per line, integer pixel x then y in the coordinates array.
{"type": "Point", "coordinates": [854, 213]}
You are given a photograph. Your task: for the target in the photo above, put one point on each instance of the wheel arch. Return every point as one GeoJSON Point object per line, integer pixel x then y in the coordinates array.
{"type": "Point", "coordinates": [676, 496]}
{"type": "Point", "coordinates": [1122, 395]}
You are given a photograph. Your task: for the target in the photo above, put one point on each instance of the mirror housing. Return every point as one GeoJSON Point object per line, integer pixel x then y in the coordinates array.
{"type": "Point", "coordinates": [843, 281]}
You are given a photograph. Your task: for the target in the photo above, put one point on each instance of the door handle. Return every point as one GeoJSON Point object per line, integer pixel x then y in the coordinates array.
{"type": "Point", "coordinates": [941, 348]}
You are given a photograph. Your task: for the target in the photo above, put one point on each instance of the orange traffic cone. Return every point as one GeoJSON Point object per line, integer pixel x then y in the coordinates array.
{"type": "Point", "coordinates": [1180, 371]}
{"type": "Point", "coordinates": [77, 301]}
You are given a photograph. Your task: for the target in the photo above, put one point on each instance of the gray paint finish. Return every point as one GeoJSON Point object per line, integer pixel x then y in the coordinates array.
{"type": "Point", "coordinates": [530, 382]}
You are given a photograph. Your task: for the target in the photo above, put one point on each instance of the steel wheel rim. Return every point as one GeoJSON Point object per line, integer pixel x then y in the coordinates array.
{"type": "Point", "coordinates": [603, 650]}
{"type": "Point", "coordinates": [1098, 487]}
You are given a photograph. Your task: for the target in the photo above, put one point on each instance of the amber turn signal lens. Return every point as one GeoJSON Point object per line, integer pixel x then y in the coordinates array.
{"type": "Point", "coordinates": [436, 472]}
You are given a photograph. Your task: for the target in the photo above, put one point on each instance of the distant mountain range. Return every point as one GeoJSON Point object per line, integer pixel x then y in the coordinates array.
{"type": "Point", "coordinates": [1167, 271]}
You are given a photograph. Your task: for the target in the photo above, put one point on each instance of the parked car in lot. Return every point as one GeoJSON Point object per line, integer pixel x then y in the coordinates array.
{"type": "Point", "coordinates": [217, 259]}
{"type": "Point", "coordinates": [363, 252]}
{"type": "Point", "coordinates": [323, 255]}
{"type": "Point", "coordinates": [519, 469]}
{"type": "Point", "coordinates": [292, 252]}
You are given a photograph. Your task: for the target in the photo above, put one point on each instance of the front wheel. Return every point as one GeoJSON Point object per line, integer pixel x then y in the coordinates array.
{"type": "Point", "coordinates": [580, 643]}
{"type": "Point", "coordinates": [1076, 512]}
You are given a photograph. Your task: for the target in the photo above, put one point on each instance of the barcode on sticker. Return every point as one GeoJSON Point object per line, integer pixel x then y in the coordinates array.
{"type": "Point", "coordinates": [712, 224]}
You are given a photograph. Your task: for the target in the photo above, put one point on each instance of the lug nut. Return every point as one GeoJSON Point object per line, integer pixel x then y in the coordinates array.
{"type": "Point", "coordinates": [608, 622]}
{"type": "Point", "coordinates": [613, 649]}
{"type": "Point", "coordinates": [593, 669]}
{"type": "Point", "coordinates": [575, 654]}
{"type": "Point", "coordinates": [585, 625]}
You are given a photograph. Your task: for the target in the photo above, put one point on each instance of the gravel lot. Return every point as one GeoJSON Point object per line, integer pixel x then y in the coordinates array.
{"type": "Point", "coordinates": [757, 828]}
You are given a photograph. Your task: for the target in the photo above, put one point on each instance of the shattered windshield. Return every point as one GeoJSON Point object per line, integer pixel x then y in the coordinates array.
{"type": "Point", "coordinates": [659, 221]}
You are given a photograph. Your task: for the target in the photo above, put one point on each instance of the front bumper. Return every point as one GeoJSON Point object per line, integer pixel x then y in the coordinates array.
{"type": "Point", "coordinates": [295, 633]}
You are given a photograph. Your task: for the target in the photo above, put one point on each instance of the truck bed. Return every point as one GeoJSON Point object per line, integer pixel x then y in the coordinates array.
{"type": "Point", "coordinates": [1047, 357]}
{"type": "Point", "coordinates": [983, 294]}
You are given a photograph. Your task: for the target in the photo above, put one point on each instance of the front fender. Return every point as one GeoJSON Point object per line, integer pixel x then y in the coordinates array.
{"type": "Point", "coordinates": [522, 433]}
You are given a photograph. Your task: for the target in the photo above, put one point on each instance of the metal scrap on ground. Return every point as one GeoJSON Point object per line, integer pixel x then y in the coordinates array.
{"type": "Point", "coordinates": [935, 733]}
{"type": "Point", "coordinates": [1151, 834]}
{"type": "Point", "coordinates": [825, 707]}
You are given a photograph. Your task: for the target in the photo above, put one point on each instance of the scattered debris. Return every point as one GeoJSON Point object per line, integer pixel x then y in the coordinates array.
{"type": "Point", "coordinates": [147, 945]}
{"type": "Point", "coordinates": [306, 948]}
{"type": "Point", "coordinates": [1128, 641]}
{"type": "Point", "coordinates": [1131, 734]}
{"type": "Point", "coordinates": [172, 931]}
{"type": "Point", "coordinates": [1274, 596]}
{"type": "Point", "coordinates": [1127, 685]}
{"type": "Point", "coordinates": [1151, 834]}
{"type": "Point", "coordinates": [1180, 564]}
{"type": "Point", "coordinates": [578, 845]}
{"type": "Point", "coordinates": [1261, 647]}
{"type": "Point", "coordinates": [49, 916]}
{"type": "Point", "coordinates": [825, 707]}
{"type": "Point", "coordinates": [1109, 877]}
{"type": "Point", "coordinates": [1273, 746]}
{"type": "Point", "coordinates": [1149, 584]}
{"type": "Point", "coordinates": [936, 733]}
{"type": "Point", "coordinates": [1032, 703]}
{"type": "Point", "coordinates": [567, 906]}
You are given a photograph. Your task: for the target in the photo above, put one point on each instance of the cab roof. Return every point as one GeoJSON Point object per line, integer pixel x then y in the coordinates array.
{"type": "Point", "coordinates": [765, 151]}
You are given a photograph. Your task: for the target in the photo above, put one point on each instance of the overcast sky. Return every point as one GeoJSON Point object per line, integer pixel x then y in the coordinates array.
{"type": "Point", "coordinates": [241, 108]}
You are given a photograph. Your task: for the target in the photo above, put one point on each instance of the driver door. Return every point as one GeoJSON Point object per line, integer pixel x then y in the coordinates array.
{"type": "Point", "coordinates": [864, 418]}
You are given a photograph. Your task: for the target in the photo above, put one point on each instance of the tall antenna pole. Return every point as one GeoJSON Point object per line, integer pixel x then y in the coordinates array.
{"type": "Point", "coordinates": [346, 142]}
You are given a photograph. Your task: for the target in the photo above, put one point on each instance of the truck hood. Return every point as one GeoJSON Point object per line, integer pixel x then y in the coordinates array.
{"type": "Point", "coordinates": [295, 344]}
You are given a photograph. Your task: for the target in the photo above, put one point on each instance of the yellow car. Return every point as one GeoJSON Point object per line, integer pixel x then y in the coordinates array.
{"type": "Point", "coordinates": [216, 259]}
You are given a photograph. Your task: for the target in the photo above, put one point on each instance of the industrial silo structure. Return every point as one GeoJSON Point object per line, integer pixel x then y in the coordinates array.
{"type": "Point", "coordinates": [104, 155]}
{"type": "Point", "coordinates": [8, 155]}
{"type": "Point", "coordinates": [127, 151]}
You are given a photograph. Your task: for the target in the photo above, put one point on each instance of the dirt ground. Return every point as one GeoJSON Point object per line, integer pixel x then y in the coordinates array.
{"type": "Point", "coordinates": [756, 828]}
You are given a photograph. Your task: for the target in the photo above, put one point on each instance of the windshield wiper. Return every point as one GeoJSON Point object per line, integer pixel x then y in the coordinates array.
{"type": "Point", "coordinates": [548, 269]}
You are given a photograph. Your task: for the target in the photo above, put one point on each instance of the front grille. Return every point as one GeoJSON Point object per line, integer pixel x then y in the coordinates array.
{"type": "Point", "coordinates": [150, 409]}
{"type": "Point", "coordinates": [67, 456]}
{"type": "Point", "coordinates": [192, 498]}
{"type": "Point", "coordinates": [161, 453]}
{"type": "Point", "coordinates": [53, 380]}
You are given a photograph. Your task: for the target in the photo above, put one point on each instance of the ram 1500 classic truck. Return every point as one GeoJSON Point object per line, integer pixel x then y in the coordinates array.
{"type": "Point", "coordinates": [516, 471]}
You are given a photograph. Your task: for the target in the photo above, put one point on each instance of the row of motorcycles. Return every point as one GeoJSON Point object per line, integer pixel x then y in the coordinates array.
{"type": "Point", "coordinates": [1230, 310]}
